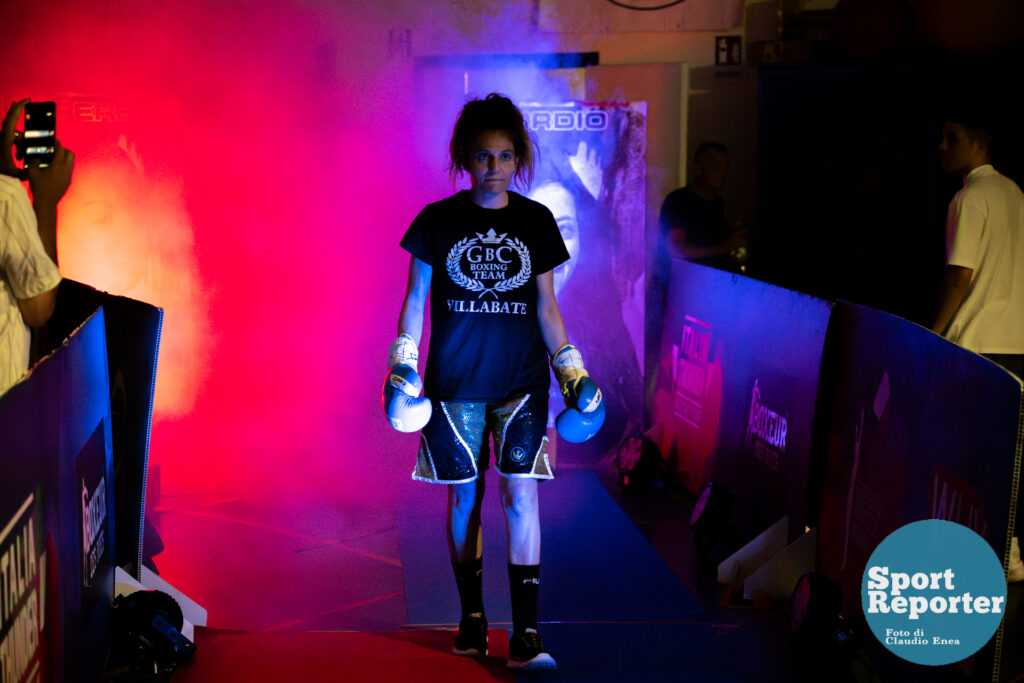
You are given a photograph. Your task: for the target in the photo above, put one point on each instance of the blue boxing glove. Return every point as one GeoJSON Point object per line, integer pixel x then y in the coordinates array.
{"type": "Point", "coordinates": [406, 410]}
{"type": "Point", "coordinates": [584, 407]}
{"type": "Point", "coordinates": [577, 427]}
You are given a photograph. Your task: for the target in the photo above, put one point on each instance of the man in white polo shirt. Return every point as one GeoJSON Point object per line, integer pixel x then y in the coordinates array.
{"type": "Point", "coordinates": [28, 248]}
{"type": "Point", "coordinates": [981, 305]}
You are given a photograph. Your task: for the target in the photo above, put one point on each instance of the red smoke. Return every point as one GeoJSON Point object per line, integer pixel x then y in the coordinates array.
{"type": "Point", "coordinates": [250, 168]}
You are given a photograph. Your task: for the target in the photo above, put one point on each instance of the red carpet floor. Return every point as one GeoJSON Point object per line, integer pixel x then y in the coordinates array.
{"type": "Point", "coordinates": [350, 656]}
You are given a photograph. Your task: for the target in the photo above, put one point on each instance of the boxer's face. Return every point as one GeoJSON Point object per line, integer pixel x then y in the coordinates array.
{"type": "Point", "coordinates": [492, 162]}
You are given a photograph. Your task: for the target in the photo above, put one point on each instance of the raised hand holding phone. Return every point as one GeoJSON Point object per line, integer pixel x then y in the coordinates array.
{"type": "Point", "coordinates": [40, 136]}
{"type": "Point", "coordinates": [11, 137]}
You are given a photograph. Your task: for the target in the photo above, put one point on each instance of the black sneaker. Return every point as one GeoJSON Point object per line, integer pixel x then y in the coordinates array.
{"type": "Point", "coordinates": [526, 652]}
{"type": "Point", "coordinates": [472, 638]}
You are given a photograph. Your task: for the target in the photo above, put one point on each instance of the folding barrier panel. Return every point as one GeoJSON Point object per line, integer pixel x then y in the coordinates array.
{"type": "Point", "coordinates": [737, 386]}
{"type": "Point", "coordinates": [918, 428]}
{"type": "Point", "coordinates": [133, 339]}
{"type": "Point", "coordinates": [56, 514]}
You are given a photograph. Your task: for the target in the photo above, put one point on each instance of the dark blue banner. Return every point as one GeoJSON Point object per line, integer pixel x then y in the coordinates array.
{"type": "Point", "coordinates": [56, 514]}
{"type": "Point", "coordinates": [737, 385]}
{"type": "Point", "coordinates": [133, 338]}
{"type": "Point", "coordinates": [918, 428]}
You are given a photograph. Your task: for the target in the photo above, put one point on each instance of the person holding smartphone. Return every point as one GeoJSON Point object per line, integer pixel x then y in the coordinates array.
{"type": "Point", "coordinates": [487, 257]}
{"type": "Point", "coordinates": [28, 244]}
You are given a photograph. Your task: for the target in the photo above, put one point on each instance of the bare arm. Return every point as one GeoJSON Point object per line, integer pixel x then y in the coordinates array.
{"type": "Point", "coordinates": [37, 310]}
{"type": "Point", "coordinates": [955, 284]}
{"type": "Point", "coordinates": [552, 328]}
{"type": "Point", "coordinates": [48, 186]}
{"type": "Point", "coordinates": [410, 320]}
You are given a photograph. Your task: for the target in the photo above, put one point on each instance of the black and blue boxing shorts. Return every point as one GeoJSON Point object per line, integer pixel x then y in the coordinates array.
{"type": "Point", "coordinates": [455, 444]}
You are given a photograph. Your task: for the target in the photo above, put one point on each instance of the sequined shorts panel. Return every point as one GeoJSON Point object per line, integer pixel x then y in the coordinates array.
{"type": "Point", "coordinates": [455, 444]}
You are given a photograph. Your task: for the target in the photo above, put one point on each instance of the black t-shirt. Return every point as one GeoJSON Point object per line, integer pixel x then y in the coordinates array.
{"type": "Point", "coordinates": [702, 219]}
{"type": "Point", "coordinates": [485, 341]}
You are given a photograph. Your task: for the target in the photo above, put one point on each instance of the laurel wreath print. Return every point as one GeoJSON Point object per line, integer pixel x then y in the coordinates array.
{"type": "Point", "coordinates": [474, 285]}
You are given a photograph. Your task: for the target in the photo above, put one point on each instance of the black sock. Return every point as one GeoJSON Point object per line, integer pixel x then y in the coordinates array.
{"type": "Point", "coordinates": [468, 579]}
{"type": "Point", "coordinates": [524, 585]}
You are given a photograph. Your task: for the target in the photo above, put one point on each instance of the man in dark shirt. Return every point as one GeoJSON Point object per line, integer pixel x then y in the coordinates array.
{"type": "Point", "coordinates": [693, 217]}
{"type": "Point", "coordinates": [692, 227]}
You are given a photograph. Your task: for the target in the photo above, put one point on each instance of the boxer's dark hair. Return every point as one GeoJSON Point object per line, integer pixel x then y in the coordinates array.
{"type": "Point", "coordinates": [493, 113]}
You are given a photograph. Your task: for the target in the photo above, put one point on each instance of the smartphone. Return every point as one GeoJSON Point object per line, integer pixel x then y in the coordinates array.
{"type": "Point", "coordinates": [40, 132]}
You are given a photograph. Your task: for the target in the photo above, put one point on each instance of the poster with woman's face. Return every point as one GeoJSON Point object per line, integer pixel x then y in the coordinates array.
{"type": "Point", "coordinates": [592, 177]}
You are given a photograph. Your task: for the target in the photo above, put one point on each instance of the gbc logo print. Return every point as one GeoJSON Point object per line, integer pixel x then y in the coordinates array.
{"type": "Point", "coordinates": [933, 592]}
{"type": "Point", "coordinates": [488, 259]}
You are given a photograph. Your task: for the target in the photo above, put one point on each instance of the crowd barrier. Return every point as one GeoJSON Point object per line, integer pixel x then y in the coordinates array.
{"type": "Point", "coordinates": [133, 331]}
{"type": "Point", "coordinates": [833, 418]}
{"type": "Point", "coordinates": [73, 459]}
{"type": "Point", "coordinates": [57, 514]}
{"type": "Point", "coordinates": [917, 428]}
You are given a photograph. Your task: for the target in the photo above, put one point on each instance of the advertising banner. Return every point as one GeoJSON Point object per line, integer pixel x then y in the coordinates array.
{"type": "Point", "coordinates": [592, 176]}
{"type": "Point", "coordinates": [26, 640]}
